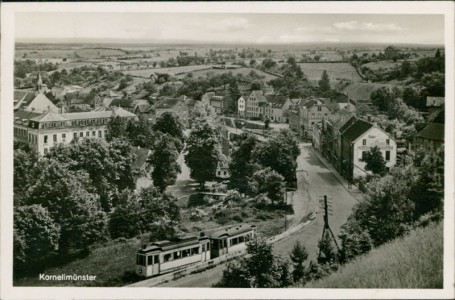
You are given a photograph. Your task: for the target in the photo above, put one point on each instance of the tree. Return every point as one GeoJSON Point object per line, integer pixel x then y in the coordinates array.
{"type": "Point", "coordinates": [375, 161]}
{"type": "Point", "coordinates": [382, 98]}
{"type": "Point", "coordinates": [324, 83]}
{"type": "Point", "coordinates": [26, 171]}
{"type": "Point", "coordinates": [298, 256]}
{"type": "Point", "coordinates": [256, 85]}
{"type": "Point", "coordinates": [169, 123]}
{"type": "Point", "coordinates": [326, 250]}
{"type": "Point", "coordinates": [73, 207]}
{"type": "Point", "coordinates": [36, 234]}
{"type": "Point", "coordinates": [159, 213]}
{"type": "Point", "coordinates": [242, 165]}
{"type": "Point", "coordinates": [164, 162]}
{"type": "Point", "coordinates": [125, 219]}
{"type": "Point", "coordinates": [260, 269]}
{"type": "Point", "coordinates": [266, 123]}
{"type": "Point", "coordinates": [269, 182]}
{"type": "Point", "coordinates": [354, 241]}
{"type": "Point", "coordinates": [280, 154]}
{"type": "Point", "coordinates": [203, 153]}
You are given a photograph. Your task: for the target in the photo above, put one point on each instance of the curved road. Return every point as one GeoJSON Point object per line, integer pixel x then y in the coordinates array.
{"type": "Point", "coordinates": [311, 187]}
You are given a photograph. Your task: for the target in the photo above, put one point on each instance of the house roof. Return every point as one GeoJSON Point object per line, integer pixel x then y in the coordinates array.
{"type": "Point", "coordinates": [357, 128]}
{"type": "Point", "coordinates": [276, 101]}
{"type": "Point", "coordinates": [166, 103]}
{"type": "Point", "coordinates": [49, 117]}
{"type": "Point", "coordinates": [122, 102]}
{"type": "Point", "coordinates": [141, 156]}
{"type": "Point", "coordinates": [25, 115]}
{"type": "Point", "coordinates": [338, 119]}
{"type": "Point", "coordinates": [259, 95]}
{"type": "Point", "coordinates": [435, 101]}
{"type": "Point", "coordinates": [22, 97]}
{"type": "Point", "coordinates": [114, 111]}
{"type": "Point", "coordinates": [433, 131]}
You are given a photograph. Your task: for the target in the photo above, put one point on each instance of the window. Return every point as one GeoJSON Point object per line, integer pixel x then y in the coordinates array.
{"type": "Point", "coordinates": [319, 108]}
{"type": "Point", "coordinates": [140, 260]}
{"type": "Point", "coordinates": [75, 135]}
{"type": "Point", "coordinates": [203, 247]}
{"type": "Point", "coordinates": [167, 257]}
{"type": "Point", "coordinates": [387, 155]}
{"type": "Point", "coordinates": [45, 139]}
{"type": "Point", "coordinates": [55, 138]}
{"type": "Point", "coordinates": [364, 142]}
{"type": "Point", "coordinates": [45, 150]}
{"type": "Point", "coordinates": [99, 133]}
{"type": "Point", "coordinates": [87, 134]}
{"type": "Point", "coordinates": [387, 141]}
{"type": "Point", "coordinates": [63, 136]}
{"type": "Point", "coordinates": [195, 250]}
{"type": "Point", "coordinates": [81, 134]}
{"type": "Point", "coordinates": [93, 133]}
{"type": "Point", "coordinates": [364, 154]}
{"type": "Point", "coordinates": [105, 133]}
{"type": "Point", "coordinates": [177, 255]}
{"type": "Point", "coordinates": [156, 259]}
{"type": "Point", "coordinates": [149, 260]}
{"type": "Point", "coordinates": [224, 173]}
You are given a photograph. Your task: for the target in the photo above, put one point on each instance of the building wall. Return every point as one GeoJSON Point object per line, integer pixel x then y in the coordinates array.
{"type": "Point", "coordinates": [427, 144]}
{"type": "Point", "coordinates": [312, 116]}
{"type": "Point", "coordinates": [373, 137]}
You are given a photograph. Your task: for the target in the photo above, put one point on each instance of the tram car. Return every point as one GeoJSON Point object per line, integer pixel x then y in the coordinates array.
{"type": "Point", "coordinates": [167, 256]}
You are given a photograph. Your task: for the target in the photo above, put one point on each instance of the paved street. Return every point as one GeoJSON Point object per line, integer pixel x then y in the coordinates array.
{"type": "Point", "coordinates": [311, 188]}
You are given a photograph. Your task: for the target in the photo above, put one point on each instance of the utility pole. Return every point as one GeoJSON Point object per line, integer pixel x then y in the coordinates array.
{"type": "Point", "coordinates": [326, 224]}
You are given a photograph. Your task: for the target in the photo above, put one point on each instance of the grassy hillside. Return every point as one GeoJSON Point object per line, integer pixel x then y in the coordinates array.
{"type": "Point", "coordinates": [415, 261]}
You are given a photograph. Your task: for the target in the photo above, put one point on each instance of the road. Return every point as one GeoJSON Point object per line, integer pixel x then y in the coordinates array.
{"type": "Point", "coordinates": [319, 181]}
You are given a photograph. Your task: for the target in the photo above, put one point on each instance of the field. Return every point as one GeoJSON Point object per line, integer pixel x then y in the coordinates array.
{"type": "Point", "coordinates": [243, 71]}
{"type": "Point", "coordinates": [336, 71]}
{"type": "Point", "coordinates": [91, 53]}
{"type": "Point", "coordinates": [173, 71]}
{"type": "Point", "coordinates": [381, 65]}
{"type": "Point", "coordinates": [416, 261]}
{"type": "Point", "coordinates": [362, 90]}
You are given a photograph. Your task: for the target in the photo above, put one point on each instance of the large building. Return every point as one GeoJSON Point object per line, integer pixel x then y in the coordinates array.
{"type": "Point", "coordinates": [304, 114]}
{"type": "Point", "coordinates": [42, 131]}
{"type": "Point", "coordinates": [218, 102]}
{"type": "Point", "coordinates": [29, 101]}
{"type": "Point", "coordinates": [276, 108]}
{"type": "Point", "coordinates": [357, 137]}
{"type": "Point", "coordinates": [255, 104]}
{"type": "Point", "coordinates": [430, 138]}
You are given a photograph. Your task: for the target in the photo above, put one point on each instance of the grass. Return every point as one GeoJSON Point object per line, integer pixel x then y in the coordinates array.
{"type": "Point", "coordinates": [113, 265]}
{"type": "Point", "coordinates": [415, 261]}
{"type": "Point", "coordinates": [335, 70]}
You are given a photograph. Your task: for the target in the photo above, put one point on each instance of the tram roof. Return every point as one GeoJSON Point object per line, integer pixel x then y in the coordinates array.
{"type": "Point", "coordinates": [232, 231]}
{"type": "Point", "coordinates": [169, 245]}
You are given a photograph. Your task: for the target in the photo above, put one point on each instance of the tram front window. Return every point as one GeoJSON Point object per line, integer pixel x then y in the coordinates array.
{"type": "Point", "coordinates": [140, 260]}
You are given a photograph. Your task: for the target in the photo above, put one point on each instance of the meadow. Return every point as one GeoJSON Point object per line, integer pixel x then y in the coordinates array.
{"type": "Point", "coordinates": [415, 261]}
{"type": "Point", "coordinates": [336, 71]}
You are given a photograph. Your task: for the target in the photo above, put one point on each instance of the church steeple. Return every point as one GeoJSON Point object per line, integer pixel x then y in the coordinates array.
{"type": "Point", "coordinates": [40, 82]}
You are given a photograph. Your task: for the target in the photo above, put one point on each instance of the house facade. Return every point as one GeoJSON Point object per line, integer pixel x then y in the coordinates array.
{"type": "Point", "coordinates": [311, 112]}
{"type": "Point", "coordinates": [44, 131]}
{"type": "Point", "coordinates": [276, 108]}
{"type": "Point", "coordinates": [357, 137]}
{"type": "Point", "coordinates": [241, 107]}
{"type": "Point", "coordinates": [255, 104]}
{"type": "Point", "coordinates": [219, 103]}
{"type": "Point", "coordinates": [430, 138]}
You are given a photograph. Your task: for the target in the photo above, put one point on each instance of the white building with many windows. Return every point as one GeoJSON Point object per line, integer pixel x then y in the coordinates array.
{"type": "Point", "coordinates": [45, 130]}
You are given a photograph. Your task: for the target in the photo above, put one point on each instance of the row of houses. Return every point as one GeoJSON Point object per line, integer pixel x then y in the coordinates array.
{"type": "Point", "coordinates": [259, 105]}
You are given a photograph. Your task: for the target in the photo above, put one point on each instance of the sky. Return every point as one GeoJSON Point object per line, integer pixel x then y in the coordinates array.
{"type": "Point", "coordinates": [260, 28]}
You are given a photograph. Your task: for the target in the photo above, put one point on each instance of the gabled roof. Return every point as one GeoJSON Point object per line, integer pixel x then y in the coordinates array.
{"type": "Point", "coordinates": [433, 131]}
{"type": "Point", "coordinates": [338, 119]}
{"type": "Point", "coordinates": [114, 111]}
{"type": "Point", "coordinates": [122, 102]}
{"type": "Point", "coordinates": [356, 129]}
{"type": "Point", "coordinates": [50, 117]}
{"type": "Point", "coordinates": [25, 115]}
{"type": "Point", "coordinates": [276, 101]}
{"type": "Point", "coordinates": [166, 103]}
{"type": "Point", "coordinates": [259, 95]}
{"type": "Point", "coordinates": [22, 97]}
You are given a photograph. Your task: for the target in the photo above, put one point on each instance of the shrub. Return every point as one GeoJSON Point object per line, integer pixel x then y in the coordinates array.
{"type": "Point", "coordinates": [197, 200]}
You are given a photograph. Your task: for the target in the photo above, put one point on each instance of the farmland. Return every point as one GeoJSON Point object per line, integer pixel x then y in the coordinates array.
{"type": "Point", "coordinates": [381, 65]}
{"type": "Point", "coordinates": [173, 71]}
{"type": "Point", "coordinates": [336, 71]}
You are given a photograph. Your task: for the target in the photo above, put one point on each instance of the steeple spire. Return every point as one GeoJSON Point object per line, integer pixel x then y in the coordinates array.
{"type": "Point", "coordinates": [40, 82]}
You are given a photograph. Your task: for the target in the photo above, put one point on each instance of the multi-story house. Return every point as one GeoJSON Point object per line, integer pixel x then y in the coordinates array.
{"type": "Point", "coordinates": [34, 102]}
{"type": "Point", "coordinates": [430, 138]}
{"type": "Point", "coordinates": [241, 107]}
{"type": "Point", "coordinates": [276, 108]}
{"type": "Point", "coordinates": [218, 102]}
{"type": "Point", "coordinates": [42, 131]}
{"type": "Point", "coordinates": [175, 105]}
{"type": "Point", "coordinates": [357, 137]}
{"type": "Point", "coordinates": [311, 112]}
{"type": "Point", "coordinates": [255, 104]}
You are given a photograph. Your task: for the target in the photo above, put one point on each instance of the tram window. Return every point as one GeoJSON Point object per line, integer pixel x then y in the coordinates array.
{"type": "Point", "coordinates": [140, 260]}
{"type": "Point", "coordinates": [203, 247]}
{"type": "Point", "coordinates": [241, 239]}
{"type": "Point", "coordinates": [156, 259]}
{"type": "Point", "coordinates": [195, 250]}
{"type": "Point", "coordinates": [186, 253]}
{"type": "Point", "coordinates": [247, 237]}
{"type": "Point", "coordinates": [177, 255]}
{"type": "Point", "coordinates": [225, 243]}
{"type": "Point", "coordinates": [208, 246]}
{"type": "Point", "coordinates": [167, 257]}
{"type": "Point", "coordinates": [149, 260]}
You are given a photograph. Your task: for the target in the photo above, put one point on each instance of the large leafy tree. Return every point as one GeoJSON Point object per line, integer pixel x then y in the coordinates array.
{"type": "Point", "coordinates": [25, 172]}
{"type": "Point", "coordinates": [203, 153]}
{"type": "Point", "coordinates": [242, 164]}
{"type": "Point", "coordinates": [36, 234]}
{"type": "Point", "coordinates": [109, 165]}
{"type": "Point", "coordinates": [169, 123]}
{"type": "Point", "coordinates": [75, 209]}
{"type": "Point", "coordinates": [375, 161]}
{"type": "Point", "coordinates": [280, 154]}
{"type": "Point", "coordinates": [260, 269]}
{"type": "Point", "coordinates": [164, 163]}
{"type": "Point", "coordinates": [269, 182]}
{"type": "Point", "coordinates": [125, 219]}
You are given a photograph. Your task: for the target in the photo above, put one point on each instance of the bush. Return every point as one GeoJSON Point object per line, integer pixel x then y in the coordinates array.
{"type": "Point", "coordinates": [237, 218]}
{"type": "Point", "coordinates": [197, 200]}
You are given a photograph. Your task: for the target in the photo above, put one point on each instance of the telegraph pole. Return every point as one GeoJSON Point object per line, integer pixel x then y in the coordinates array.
{"type": "Point", "coordinates": [326, 223]}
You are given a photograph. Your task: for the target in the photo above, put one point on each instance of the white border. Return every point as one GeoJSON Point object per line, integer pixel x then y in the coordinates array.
{"type": "Point", "coordinates": [6, 160]}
